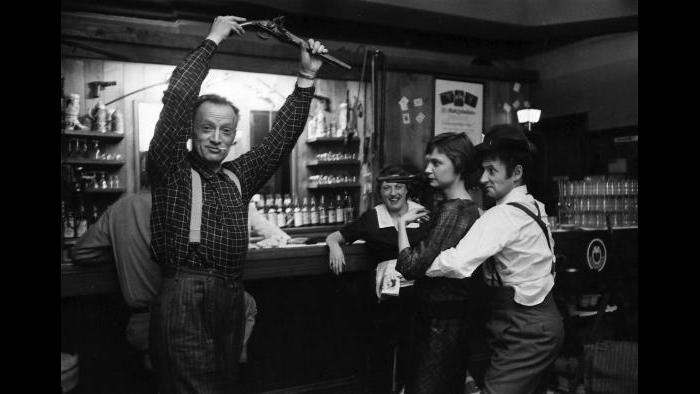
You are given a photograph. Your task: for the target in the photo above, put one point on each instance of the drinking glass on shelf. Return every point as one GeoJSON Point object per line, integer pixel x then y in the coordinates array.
{"type": "Point", "coordinates": [103, 180]}
{"type": "Point", "coordinates": [96, 151]}
{"type": "Point", "coordinates": [84, 149]}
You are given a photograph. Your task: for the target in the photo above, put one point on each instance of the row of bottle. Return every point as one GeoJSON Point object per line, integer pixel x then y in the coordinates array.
{"type": "Point", "coordinates": [333, 156]}
{"type": "Point", "coordinates": [323, 179]}
{"type": "Point", "coordinates": [80, 148]}
{"type": "Point", "coordinates": [81, 180]}
{"type": "Point", "coordinates": [74, 222]}
{"type": "Point", "coordinates": [288, 212]}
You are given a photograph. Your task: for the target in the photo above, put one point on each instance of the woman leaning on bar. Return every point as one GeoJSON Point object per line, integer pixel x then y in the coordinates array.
{"type": "Point", "coordinates": [449, 333]}
{"type": "Point", "coordinates": [391, 317]}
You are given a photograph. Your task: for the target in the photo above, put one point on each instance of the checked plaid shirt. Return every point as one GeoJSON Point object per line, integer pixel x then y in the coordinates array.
{"type": "Point", "coordinates": [224, 231]}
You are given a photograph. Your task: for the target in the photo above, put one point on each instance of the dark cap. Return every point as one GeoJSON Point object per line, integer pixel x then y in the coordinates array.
{"type": "Point", "coordinates": [503, 136]}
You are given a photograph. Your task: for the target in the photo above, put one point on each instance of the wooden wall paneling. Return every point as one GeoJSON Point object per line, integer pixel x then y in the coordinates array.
{"type": "Point", "coordinates": [405, 143]}
{"type": "Point", "coordinates": [74, 81]}
{"type": "Point", "coordinates": [133, 80]}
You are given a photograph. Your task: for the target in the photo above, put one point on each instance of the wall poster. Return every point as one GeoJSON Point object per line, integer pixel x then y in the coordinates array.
{"type": "Point", "coordinates": [459, 107]}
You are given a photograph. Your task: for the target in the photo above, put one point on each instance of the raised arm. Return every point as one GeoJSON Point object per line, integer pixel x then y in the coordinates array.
{"type": "Point", "coordinates": [255, 167]}
{"type": "Point", "coordinates": [447, 229]}
{"type": "Point", "coordinates": [168, 146]}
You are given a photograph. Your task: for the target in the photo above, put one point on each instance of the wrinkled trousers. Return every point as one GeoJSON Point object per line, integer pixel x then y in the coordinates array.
{"type": "Point", "coordinates": [196, 332]}
{"type": "Point", "coordinates": [525, 341]}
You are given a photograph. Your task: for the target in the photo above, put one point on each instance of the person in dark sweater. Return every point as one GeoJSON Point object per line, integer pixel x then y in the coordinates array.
{"type": "Point", "coordinates": [391, 314]}
{"type": "Point", "coordinates": [449, 337]}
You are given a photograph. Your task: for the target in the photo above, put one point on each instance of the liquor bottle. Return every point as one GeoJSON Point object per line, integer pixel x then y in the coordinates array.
{"type": "Point", "coordinates": [289, 213]}
{"type": "Point", "coordinates": [322, 213]}
{"type": "Point", "coordinates": [305, 218]}
{"type": "Point", "coordinates": [278, 200]}
{"type": "Point", "coordinates": [271, 211]}
{"type": "Point", "coordinates": [339, 211]}
{"type": "Point", "coordinates": [331, 212]}
{"type": "Point", "coordinates": [69, 228]}
{"type": "Point", "coordinates": [349, 209]}
{"type": "Point", "coordinates": [281, 217]}
{"type": "Point", "coordinates": [269, 201]}
{"type": "Point", "coordinates": [313, 212]}
{"type": "Point", "coordinates": [82, 224]}
{"type": "Point", "coordinates": [297, 213]}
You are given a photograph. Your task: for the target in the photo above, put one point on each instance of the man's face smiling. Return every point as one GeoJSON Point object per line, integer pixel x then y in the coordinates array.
{"type": "Point", "coordinates": [494, 180]}
{"type": "Point", "coordinates": [214, 132]}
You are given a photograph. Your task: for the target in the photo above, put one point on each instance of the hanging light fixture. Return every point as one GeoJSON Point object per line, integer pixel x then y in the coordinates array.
{"type": "Point", "coordinates": [528, 115]}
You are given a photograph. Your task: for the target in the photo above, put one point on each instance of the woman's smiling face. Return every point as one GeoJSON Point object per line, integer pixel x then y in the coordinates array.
{"type": "Point", "coordinates": [394, 196]}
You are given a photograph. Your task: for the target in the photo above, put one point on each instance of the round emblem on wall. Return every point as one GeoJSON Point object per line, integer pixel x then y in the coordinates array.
{"type": "Point", "coordinates": [596, 254]}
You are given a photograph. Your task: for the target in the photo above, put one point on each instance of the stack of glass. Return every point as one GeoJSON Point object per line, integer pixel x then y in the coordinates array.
{"type": "Point", "coordinates": [586, 203]}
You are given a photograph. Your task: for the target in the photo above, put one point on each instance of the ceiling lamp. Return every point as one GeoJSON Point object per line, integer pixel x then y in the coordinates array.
{"type": "Point", "coordinates": [529, 115]}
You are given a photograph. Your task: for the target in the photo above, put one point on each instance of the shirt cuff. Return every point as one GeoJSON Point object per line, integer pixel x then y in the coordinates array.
{"type": "Point", "coordinates": [209, 45]}
{"type": "Point", "coordinates": [304, 92]}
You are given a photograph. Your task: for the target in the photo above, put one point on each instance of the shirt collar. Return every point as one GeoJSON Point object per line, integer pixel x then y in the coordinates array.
{"type": "Point", "coordinates": [384, 217]}
{"type": "Point", "coordinates": [518, 193]}
{"type": "Point", "coordinates": [200, 165]}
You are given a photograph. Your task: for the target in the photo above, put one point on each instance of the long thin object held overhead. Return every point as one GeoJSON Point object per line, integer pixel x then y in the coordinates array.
{"type": "Point", "coordinates": [275, 28]}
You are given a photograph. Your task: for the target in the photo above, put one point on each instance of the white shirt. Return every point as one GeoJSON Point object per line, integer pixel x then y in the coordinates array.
{"type": "Point", "coordinates": [517, 243]}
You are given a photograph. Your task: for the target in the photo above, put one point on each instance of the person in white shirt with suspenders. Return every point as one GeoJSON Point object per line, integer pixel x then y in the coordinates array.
{"type": "Point", "coordinates": [514, 241]}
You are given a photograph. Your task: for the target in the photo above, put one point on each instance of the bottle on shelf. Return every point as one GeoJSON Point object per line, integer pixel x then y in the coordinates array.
{"type": "Point", "coordinates": [289, 212]}
{"type": "Point", "coordinates": [279, 202]}
{"type": "Point", "coordinates": [298, 221]}
{"type": "Point", "coordinates": [331, 212]}
{"type": "Point", "coordinates": [313, 212]}
{"type": "Point", "coordinates": [349, 209]}
{"type": "Point", "coordinates": [305, 218]}
{"type": "Point", "coordinates": [339, 210]}
{"type": "Point", "coordinates": [82, 221]}
{"type": "Point", "coordinates": [281, 217]}
{"type": "Point", "coordinates": [272, 211]}
{"type": "Point", "coordinates": [322, 212]}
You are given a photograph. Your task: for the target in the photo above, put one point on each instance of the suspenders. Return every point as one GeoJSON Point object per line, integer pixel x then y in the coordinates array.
{"type": "Point", "coordinates": [543, 226]}
{"type": "Point", "coordinates": [196, 206]}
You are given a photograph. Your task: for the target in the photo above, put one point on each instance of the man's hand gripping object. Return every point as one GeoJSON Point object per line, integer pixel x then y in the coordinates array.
{"type": "Point", "coordinates": [275, 28]}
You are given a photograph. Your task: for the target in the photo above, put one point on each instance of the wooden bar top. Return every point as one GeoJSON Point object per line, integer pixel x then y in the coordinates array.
{"type": "Point", "coordinates": [270, 263]}
{"type": "Point", "coordinates": [306, 260]}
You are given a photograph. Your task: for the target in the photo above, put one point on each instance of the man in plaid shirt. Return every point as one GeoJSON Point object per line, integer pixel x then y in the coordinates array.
{"type": "Point", "coordinates": [197, 321]}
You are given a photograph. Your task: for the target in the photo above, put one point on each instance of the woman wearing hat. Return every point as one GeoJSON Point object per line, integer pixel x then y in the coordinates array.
{"type": "Point", "coordinates": [444, 342]}
{"type": "Point", "coordinates": [378, 228]}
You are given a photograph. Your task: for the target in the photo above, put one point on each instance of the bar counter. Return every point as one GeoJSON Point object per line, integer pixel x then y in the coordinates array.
{"type": "Point", "coordinates": [284, 262]}
{"type": "Point", "coordinates": [312, 327]}
{"type": "Point", "coordinates": [305, 260]}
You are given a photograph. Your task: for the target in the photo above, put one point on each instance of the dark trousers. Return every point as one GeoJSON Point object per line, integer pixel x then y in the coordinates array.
{"type": "Point", "coordinates": [525, 341]}
{"type": "Point", "coordinates": [392, 327]}
{"type": "Point", "coordinates": [196, 333]}
{"type": "Point", "coordinates": [446, 345]}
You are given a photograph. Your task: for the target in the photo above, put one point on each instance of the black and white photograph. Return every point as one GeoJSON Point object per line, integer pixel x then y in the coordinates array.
{"type": "Point", "coordinates": [346, 196]}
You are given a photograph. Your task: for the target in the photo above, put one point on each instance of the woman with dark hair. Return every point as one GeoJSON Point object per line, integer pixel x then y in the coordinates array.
{"type": "Point", "coordinates": [378, 228]}
{"type": "Point", "coordinates": [447, 339]}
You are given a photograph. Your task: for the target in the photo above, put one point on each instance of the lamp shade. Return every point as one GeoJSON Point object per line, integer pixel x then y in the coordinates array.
{"type": "Point", "coordinates": [529, 115]}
